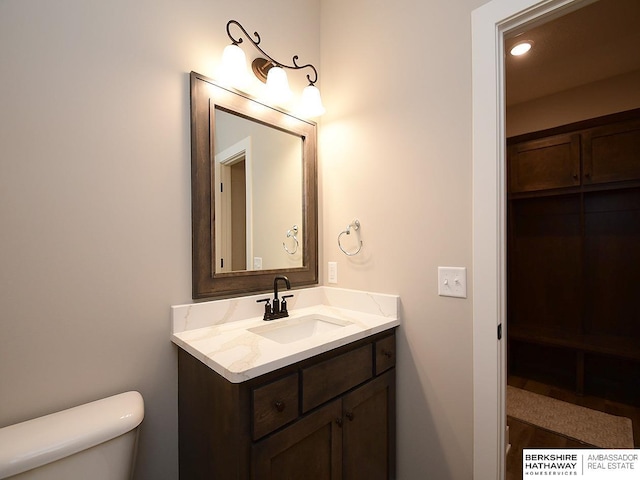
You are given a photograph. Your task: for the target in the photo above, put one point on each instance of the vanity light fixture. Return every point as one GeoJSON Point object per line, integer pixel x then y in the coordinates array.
{"type": "Point", "coordinates": [269, 71]}
{"type": "Point", "coordinates": [521, 48]}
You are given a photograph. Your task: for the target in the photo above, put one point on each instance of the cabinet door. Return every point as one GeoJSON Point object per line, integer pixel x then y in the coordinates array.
{"type": "Point", "coordinates": [552, 162]}
{"type": "Point", "coordinates": [369, 430]}
{"type": "Point", "coordinates": [309, 449]}
{"type": "Point", "coordinates": [612, 153]}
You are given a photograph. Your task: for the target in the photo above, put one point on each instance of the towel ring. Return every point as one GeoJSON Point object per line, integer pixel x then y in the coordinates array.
{"type": "Point", "coordinates": [293, 229]}
{"type": "Point", "coordinates": [356, 226]}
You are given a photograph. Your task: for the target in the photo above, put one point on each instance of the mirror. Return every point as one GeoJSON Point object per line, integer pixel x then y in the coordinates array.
{"type": "Point", "coordinates": [254, 193]}
{"type": "Point", "coordinates": [257, 195]}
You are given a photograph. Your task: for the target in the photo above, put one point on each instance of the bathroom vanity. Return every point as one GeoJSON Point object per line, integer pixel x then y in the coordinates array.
{"type": "Point", "coordinates": [261, 400]}
{"type": "Point", "coordinates": [310, 395]}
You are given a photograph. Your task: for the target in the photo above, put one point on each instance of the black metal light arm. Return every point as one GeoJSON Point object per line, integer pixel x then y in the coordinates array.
{"type": "Point", "coordinates": [256, 44]}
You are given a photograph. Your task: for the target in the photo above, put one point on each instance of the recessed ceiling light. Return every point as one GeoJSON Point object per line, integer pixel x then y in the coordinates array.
{"type": "Point", "coordinates": [521, 48]}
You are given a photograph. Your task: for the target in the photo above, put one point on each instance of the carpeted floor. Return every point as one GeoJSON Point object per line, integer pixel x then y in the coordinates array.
{"type": "Point", "coordinates": [586, 425]}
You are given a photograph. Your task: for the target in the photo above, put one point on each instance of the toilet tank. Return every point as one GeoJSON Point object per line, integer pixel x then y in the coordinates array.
{"type": "Point", "coordinates": [96, 440]}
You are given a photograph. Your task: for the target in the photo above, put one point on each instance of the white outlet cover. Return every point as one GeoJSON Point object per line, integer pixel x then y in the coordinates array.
{"type": "Point", "coordinates": [452, 282]}
{"type": "Point", "coordinates": [332, 272]}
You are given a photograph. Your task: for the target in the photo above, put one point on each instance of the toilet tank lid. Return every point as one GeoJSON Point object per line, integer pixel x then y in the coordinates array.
{"type": "Point", "coordinates": [36, 442]}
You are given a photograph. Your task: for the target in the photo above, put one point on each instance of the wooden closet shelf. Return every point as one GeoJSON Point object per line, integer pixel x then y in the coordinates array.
{"type": "Point", "coordinates": [605, 345]}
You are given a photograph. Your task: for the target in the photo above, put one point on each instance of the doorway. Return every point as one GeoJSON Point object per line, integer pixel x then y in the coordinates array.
{"type": "Point", "coordinates": [568, 331]}
{"type": "Point", "coordinates": [490, 24]}
{"type": "Point", "coordinates": [233, 166]}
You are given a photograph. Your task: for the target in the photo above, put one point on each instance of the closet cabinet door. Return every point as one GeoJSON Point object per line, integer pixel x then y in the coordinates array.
{"type": "Point", "coordinates": [545, 269]}
{"type": "Point", "coordinates": [544, 164]}
{"type": "Point", "coordinates": [612, 153]}
{"type": "Point", "coordinates": [612, 256]}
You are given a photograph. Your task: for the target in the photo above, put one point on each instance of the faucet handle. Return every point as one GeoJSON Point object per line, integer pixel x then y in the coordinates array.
{"type": "Point", "coordinates": [283, 304]}
{"type": "Point", "coordinates": [267, 306]}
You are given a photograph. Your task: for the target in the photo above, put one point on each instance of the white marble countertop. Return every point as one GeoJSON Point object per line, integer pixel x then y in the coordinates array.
{"type": "Point", "coordinates": [217, 333]}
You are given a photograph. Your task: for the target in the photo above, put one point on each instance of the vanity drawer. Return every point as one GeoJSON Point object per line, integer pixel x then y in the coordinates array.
{"type": "Point", "coordinates": [328, 379]}
{"type": "Point", "coordinates": [275, 405]}
{"type": "Point", "coordinates": [385, 354]}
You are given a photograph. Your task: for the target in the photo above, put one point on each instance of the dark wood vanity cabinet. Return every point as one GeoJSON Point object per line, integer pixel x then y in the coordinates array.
{"type": "Point", "coordinates": [348, 438]}
{"type": "Point", "coordinates": [573, 253]}
{"type": "Point", "coordinates": [328, 417]}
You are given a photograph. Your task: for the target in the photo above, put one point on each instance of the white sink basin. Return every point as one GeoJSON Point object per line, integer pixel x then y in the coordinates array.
{"type": "Point", "coordinates": [295, 329]}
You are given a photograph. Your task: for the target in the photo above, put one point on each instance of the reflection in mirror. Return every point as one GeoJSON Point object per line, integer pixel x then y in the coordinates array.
{"type": "Point", "coordinates": [253, 194]}
{"type": "Point", "coordinates": [258, 194]}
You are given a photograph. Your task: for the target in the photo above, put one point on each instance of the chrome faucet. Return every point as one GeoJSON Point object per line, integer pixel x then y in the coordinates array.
{"type": "Point", "coordinates": [279, 308]}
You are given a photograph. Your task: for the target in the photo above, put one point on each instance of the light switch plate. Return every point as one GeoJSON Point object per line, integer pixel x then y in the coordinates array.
{"type": "Point", "coordinates": [332, 272]}
{"type": "Point", "coordinates": [452, 282]}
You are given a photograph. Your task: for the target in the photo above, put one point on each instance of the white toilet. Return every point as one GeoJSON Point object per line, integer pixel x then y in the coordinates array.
{"type": "Point", "coordinates": [96, 440]}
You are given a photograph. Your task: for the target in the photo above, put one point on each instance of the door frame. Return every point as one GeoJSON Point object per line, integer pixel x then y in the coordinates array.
{"type": "Point", "coordinates": [490, 24]}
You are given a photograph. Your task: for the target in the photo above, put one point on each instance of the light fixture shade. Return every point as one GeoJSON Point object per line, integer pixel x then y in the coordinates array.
{"type": "Point", "coordinates": [278, 85]}
{"type": "Point", "coordinates": [234, 66]}
{"type": "Point", "coordinates": [311, 102]}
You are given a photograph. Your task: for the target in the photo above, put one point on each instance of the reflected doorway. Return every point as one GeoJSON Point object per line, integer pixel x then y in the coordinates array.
{"type": "Point", "coordinates": [233, 203]}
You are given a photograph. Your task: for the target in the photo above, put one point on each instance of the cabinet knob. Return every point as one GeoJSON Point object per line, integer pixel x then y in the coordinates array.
{"type": "Point", "coordinates": [339, 421]}
{"type": "Point", "coordinates": [280, 405]}
{"type": "Point", "coordinates": [387, 353]}
{"type": "Point", "coordinates": [349, 415]}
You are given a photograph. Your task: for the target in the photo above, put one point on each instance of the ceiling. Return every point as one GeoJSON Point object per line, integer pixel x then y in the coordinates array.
{"type": "Point", "coordinates": [597, 41]}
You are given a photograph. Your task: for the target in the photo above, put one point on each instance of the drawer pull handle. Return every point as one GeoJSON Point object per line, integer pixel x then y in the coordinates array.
{"type": "Point", "coordinates": [387, 353]}
{"type": "Point", "coordinates": [349, 415]}
{"type": "Point", "coordinates": [280, 405]}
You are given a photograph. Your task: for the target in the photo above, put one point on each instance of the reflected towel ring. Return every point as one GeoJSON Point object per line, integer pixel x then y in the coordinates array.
{"type": "Point", "coordinates": [356, 226]}
{"type": "Point", "coordinates": [293, 229]}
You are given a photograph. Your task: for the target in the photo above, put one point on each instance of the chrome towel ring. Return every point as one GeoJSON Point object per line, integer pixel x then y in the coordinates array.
{"type": "Point", "coordinates": [292, 232]}
{"type": "Point", "coordinates": [356, 226]}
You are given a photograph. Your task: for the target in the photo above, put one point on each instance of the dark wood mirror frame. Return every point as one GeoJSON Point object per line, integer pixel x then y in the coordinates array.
{"type": "Point", "coordinates": [206, 96]}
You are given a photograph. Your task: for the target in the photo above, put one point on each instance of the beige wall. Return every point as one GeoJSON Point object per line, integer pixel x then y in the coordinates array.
{"type": "Point", "coordinates": [95, 205]}
{"type": "Point", "coordinates": [396, 154]}
{"type": "Point", "coordinates": [95, 216]}
{"type": "Point", "coordinates": [612, 95]}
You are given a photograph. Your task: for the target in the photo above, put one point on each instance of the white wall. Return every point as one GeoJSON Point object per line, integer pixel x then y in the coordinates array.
{"type": "Point", "coordinates": [95, 216]}
{"type": "Point", "coordinates": [396, 154]}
